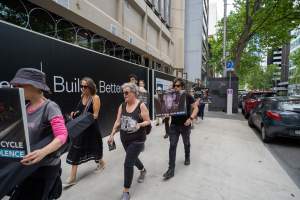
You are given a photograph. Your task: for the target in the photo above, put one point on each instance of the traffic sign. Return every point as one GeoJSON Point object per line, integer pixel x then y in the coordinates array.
{"type": "Point", "coordinates": [229, 65]}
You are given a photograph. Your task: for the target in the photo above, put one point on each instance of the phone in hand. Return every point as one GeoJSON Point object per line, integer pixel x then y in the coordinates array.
{"type": "Point", "coordinates": [111, 146]}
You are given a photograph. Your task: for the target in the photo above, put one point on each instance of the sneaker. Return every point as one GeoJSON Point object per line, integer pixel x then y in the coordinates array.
{"type": "Point", "coordinates": [169, 174]}
{"type": "Point", "coordinates": [166, 136]}
{"type": "Point", "coordinates": [69, 182]}
{"type": "Point", "coordinates": [142, 176]}
{"type": "Point", "coordinates": [125, 196]}
{"type": "Point", "coordinates": [187, 161]}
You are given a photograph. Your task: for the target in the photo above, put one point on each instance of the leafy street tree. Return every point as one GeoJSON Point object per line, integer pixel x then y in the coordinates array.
{"type": "Point", "coordinates": [269, 20]}
{"type": "Point", "coordinates": [254, 27]}
{"type": "Point", "coordinates": [295, 58]}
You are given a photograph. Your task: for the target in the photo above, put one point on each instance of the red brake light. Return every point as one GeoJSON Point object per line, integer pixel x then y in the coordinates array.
{"type": "Point", "coordinates": [273, 115]}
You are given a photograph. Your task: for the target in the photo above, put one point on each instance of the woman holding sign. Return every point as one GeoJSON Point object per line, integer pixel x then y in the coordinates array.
{"type": "Point", "coordinates": [88, 145]}
{"type": "Point", "coordinates": [132, 117]}
{"type": "Point", "coordinates": [42, 114]}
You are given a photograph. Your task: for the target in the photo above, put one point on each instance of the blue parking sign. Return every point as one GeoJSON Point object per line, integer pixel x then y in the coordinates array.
{"type": "Point", "coordinates": [229, 65]}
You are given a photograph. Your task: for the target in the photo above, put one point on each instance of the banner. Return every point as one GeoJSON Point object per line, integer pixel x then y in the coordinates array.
{"type": "Point", "coordinates": [14, 139]}
{"type": "Point", "coordinates": [170, 103]}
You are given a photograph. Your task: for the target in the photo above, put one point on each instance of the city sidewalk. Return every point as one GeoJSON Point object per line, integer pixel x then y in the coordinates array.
{"type": "Point", "coordinates": [228, 162]}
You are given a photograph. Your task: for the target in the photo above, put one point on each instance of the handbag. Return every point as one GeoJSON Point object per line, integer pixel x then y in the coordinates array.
{"type": "Point", "coordinates": [78, 125]}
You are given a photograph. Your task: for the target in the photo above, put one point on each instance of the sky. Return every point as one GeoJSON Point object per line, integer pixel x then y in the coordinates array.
{"type": "Point", "coordinates": [216, 10]}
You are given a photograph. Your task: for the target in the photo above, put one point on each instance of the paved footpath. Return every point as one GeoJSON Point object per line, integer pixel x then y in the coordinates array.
{"type": "Point", "coordinates": [228, 162]}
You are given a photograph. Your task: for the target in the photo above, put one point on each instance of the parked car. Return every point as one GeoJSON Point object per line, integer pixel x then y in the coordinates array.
{"type": "Point", "coordinates": [241, 97]}
{"type": "Point", "coordinates": [252, 99]}
{"type": "Point", "coordinates": [277, 117]}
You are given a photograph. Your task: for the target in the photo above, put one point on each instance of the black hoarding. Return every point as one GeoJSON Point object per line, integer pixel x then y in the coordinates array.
{"type": "Point", "coordinates": [218, 93]}
{"type": "Point", "coordinates": [65, 64]}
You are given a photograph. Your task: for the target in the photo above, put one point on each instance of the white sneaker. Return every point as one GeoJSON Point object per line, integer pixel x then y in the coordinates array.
{"type": "Point", "coordinates": [69, 182]}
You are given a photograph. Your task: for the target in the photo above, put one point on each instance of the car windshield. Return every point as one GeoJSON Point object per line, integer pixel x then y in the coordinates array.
{"type": "Point", "coordinates": [292, 105]}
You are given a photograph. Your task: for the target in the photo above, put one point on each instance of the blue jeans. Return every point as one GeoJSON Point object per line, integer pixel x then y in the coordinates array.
{"type": "Point", "coordinates": [175, 132]}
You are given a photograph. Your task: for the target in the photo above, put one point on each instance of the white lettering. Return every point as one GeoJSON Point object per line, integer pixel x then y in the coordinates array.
{"type": "Point", "coordinates": [109, 88]}
{"type": "Point", "coordinates": [101, 86]}
{"type": "Point", "coordinates": [13, 145]}
{"type": "Point", "coordinates": [58, 82]}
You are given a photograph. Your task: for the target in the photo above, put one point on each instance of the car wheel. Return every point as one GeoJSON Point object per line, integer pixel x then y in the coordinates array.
{"type": "Point", "coordinates": [250, 122]}
{"type": "Point", "coordinates": [265, 135]}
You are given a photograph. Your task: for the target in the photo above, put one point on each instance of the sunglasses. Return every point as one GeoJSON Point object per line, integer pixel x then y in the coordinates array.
{"type": "Point", "coordinates": [84, 86]}
{"type": "Point", "coordinates": [126, 93]}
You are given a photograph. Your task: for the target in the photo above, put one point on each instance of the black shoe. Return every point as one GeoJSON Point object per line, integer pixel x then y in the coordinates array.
{"type": "Point", "coordinates": [142, 176]}
{"type": "Point", "coordinates": [166, 136]}
{"type": "Point", "coordinates": [169, 174]}
{"type": "Point", "coordinates": [187, 161]}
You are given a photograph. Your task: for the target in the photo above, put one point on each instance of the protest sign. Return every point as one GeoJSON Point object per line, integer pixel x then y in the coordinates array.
{"type": "Point", "coordinates": [14, 139]}
{"type": "Point", "coordinates": [170, 103]}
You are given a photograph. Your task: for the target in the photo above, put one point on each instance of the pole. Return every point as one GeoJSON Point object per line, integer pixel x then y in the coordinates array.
{"type": "Point", "coordinates": [224, 37]}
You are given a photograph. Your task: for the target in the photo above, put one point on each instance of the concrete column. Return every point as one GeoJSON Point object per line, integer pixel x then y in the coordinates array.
{"type": "Point", "coordinates": [145, 24]}
{"type": "Point", "coordinates": [177, 14]}
{"type": "Point", "coordinates": [120, 13]}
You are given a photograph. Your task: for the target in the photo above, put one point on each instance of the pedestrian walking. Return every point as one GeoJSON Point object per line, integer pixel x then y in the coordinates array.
{"type": "Point", "coordinates": [42, 114]}
{"type": "Point", "coordinates": [88, 145]}
{"type": "Point", "coordinates": [159, 91]}
{"type": "Point", "coordinates": [143, 93]}
{"type": "Point", "coordinates": [180, 125]}
{"type": "Point", "coordinates": [133, 78]}
{"type": "Point", "coordinates": [132, 118]}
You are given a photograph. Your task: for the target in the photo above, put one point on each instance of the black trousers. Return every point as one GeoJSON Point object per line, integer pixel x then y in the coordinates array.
{"type": "Point", "coordinates": [39, 185]}
{"type": "Point", "coordinates": [167, 125]}
{"type": "Point", "coordinates": [133, 150]}
{"type": "Point", "coordinates": [175, 132]}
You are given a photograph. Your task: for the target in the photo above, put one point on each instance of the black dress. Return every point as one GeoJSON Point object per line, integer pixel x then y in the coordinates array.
{"type": "Point", "coordinates": [88, 145]}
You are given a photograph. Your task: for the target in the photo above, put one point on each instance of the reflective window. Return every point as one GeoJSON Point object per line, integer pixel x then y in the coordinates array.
{"type": "Point", "coordinates": [41, 21]}
{"type": "Point", "coordinates": [65, 31]}
{"type": "Point", "coordinates": [14, 12]}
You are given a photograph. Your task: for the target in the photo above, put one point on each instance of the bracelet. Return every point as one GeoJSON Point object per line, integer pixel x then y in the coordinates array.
{"type": "Point", "coordinates": [191, 118]}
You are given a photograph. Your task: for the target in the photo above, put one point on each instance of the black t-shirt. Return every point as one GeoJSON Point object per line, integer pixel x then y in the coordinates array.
{"type": "Point", "coordinates": [181, 119]}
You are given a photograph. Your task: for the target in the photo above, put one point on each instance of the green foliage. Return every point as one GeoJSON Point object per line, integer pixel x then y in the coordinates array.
{"type": "Point", "coordinates": [295, 58]}
{"type": "Point", "coordinates": [254, 27]}
{"type": "Point", "coordinates": [259, 78]}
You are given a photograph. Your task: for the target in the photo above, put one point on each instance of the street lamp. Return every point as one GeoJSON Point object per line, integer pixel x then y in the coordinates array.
{"type": "Point", "coordinates": [224, 37]}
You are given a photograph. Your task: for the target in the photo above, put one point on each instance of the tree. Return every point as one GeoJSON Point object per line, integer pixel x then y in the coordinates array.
{"type": "Point", "coordinates": [269, 20]}
{"type": "Point", "coordinates": [261, 79]}
{"type": "Point", "coordinates": [295, 58]}
{"type": "Point", "coordinates": [253, 28]}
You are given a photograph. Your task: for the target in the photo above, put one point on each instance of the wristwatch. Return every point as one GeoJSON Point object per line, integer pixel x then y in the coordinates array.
{"type": "Point", "coordinates": [191, 118]}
